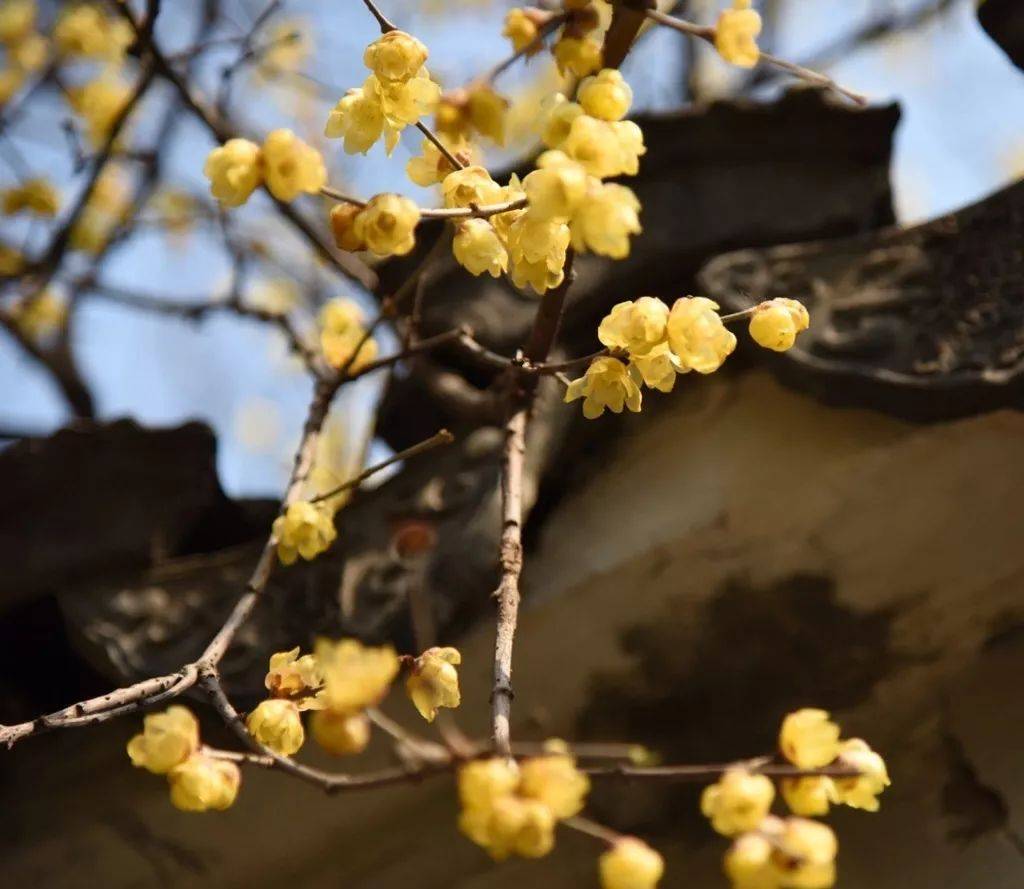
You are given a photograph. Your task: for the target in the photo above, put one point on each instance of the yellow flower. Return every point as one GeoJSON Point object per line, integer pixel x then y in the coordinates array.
{"type": "Point", "coordinates": [100, 102]}
{"type": "Point", "coordinates": [605, 148]}
{"type": "Point", "coordinates": [521, 826]}
{"type": "Point", "coordinates": [167, 739]}
{"type": "Point", "coordinates": [290, 166]}
{"type": "Point", "coordinates": [341, 734]}
{"type": "Point", "coordinates": [503, 222]}
{"type": "Point", "coordinates": [557, 189]}
{"type": "Point", "coordinates": [17, 19]}
{"type": "Point", "coordinates": [277, 296]}
{"type": "Point", "coordinates": [30, 53]}
{"type": "Point", "coordinates": [606, 384]}
{"type": "Point", "coordinates": [482, 782]}
{"type": "Point", "coordinates": [343, 226]}
{"type": "Point", "coordinates": [34, 195]}
{"type": "Point", "coordinates": [342, 332]}
{"type": "Point", "coordinates": [605, 95]}
{"type": "Point", "coordinates": [434, 681]}
{"type": "Point", "coordinates": [433, 166]}
{"type": "Point", "coordinates": [359, 119]}
{"type": "Point", "coordinates": [107, 207]}
{"type": "Point", "coordinates": [579, 56]}
{"type": "Point", "coordinates": [395, 56]}
{"type": "Point", "coordinates": [478, 249]}
{"type": "Point", "coordinates": [658, 368]}
{"type": "Point", "coordinates": [637, 327]}
{"type": "Point", "coordinates": [291, 676]}
{"type": "Point", "coordinates": [521, 28]}
{"type": "Point", "coordinates": [286, 47]}
{"type": "Point", "coordinates": [555, 781]}
{"type": "Point", "coordinates": [630, 864]}
{"type": "Point", "coordinates": [202, 783]}
{"type": "Point", "coordinates": [736, 34]}
{"type": "Point", "coordinates": [697, 336]}
{"type": "Point", "coordinates": [557, 116]}
{"type": "Point", "coordinates": [306, 529]}
{"type": "Point", "coordinates": [776, 323]}
{"type": "Point", "coordinates": [11, 261]}
{"type": "Point", "coordinates": [85, 30]}
{"type": "Point", "coordinates": [176, 210]}
{"type": "Point", "coordinates": [276, 724]}
{"type": "Point", "coordinates": [537, 249]}
{"type": "Point", "coordinates": [355, 676]}
{"type": "Point", "coordinates": [40, 315]}
{"type": "Point", "coordinates": [809, 739]}
{"type": "Point", "coordinates": [738, 802]}
{"type": "Point", "coordinates": [11, 80]}
{"type": "Point", "coordinates": [470, 185]}
{"type": "Point", "coordinates": [861, 792]}
{"type": "Point", "coordinates": [605, 219]}
{"type": "Point", "coordinates": [404, 102]}
{"type": "Point", "coordinates": [487, 111]}
{"type": "Point", "coordinates": [804, 854]}
{"type": "Point", "coordinates": [234, 171]}
{"type": "Point", "coordinates": [809, 795]}
{"type": "Point", "coordinates": [386, 225]}
{"type": "Point", "coordinates": [748, 863]}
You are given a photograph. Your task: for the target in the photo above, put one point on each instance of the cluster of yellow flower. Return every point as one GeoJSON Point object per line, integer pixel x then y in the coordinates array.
{"type": "Point", "coordinates": [660, 343]}
{"type": "Point", "coordinates": [108, 204]}
{"type": "Point", "coordinates": [397, 94]}
{"type": "Point", "coordinates": [384, 226]}
{"type": "Point", "coordinates": [285, 164]}
{"type": "Point", "coordinates": [25, 49]}
{"type": "Point", "coordinates": [736, 34]}
{"type": "Point", "coordinates": [39, 315]}
{"type": "Point", "coordinates": [793, 853]}
{"type": "Point", "coordinates": [305, 529]}
{"type": "Point", "coordinates": [169, 745]}
{"type": "Point", "coordinates": [577, 51]}
{"type": "Point", "coordinates": [342, 332]}
{"type": "Point", "coordinates": [35, 195]}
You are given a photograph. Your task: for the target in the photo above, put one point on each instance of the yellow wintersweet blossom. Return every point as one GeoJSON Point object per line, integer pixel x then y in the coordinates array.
{"type": "Point", "coordinates": [521, 28]}
{"type": "Point", "coordinates": [537, 250]}
{"type": "Point", "coordinates": [306, 529]}
{"type": "Point", "coordinates": [738, 802]}
{"type": "Point", "coordinates": [605, 148]}
{"type": "Point", "coordinates": [36, 195]}
{"type": "Point", "coordinates": [11, 260]}
{"type": "Point", "coordinates": [287, 47]}
{"type": "Point", "coordinates": [557, 115]}
{"type": "Point", "coordinates": [107, 207]}
{"type": "Point", "coordinates": [11, 80]}
{"type": "Point", "coordinates": [404, 103]}
{"type": "Point", "coordinates": [17, 19]}
{"type": "Point", "coordinates": [736, 34]}
{"type": "Point", "coordinates": [519, 826]}
{"type": "Point", "coordinates": [202, 783]}
{"type": "Point", "coordinates": [748, 863]}
{"type": "Point", "coordinates": [557, 188]}
{"type": "Point", "coordinates": [605, 219]}
{"type": "Point", "coordinates": [636, 327]}
{"type": "Point", "coordinates": [776, 323]}
{"type": "Point", "coordinates": [234, 170]}
{"type": "Point", "coordinates": [554, 780]}
{"type": "Point", "coordinates": [355, 676]}
{"type": "Point", "coordinates": [277, 724]}
{"type": "Point", "coordinates": [432, 167]}
{"type": "Point", "coordinates": [291, 676]}
{"type": "Point", "coordinates": [167, 740]}
{"type": "Point", "coordinates": [343, 226]}
{"type": "Point", "coordinates": [386, 225]}
{"type": "Point", "coordinates": [395, 56]}
{"type": "Point", "coordinates": [87, 31]}
{"type": "Point", "coordinates": [804, 854]}
{"type": "Point", "coordinates": [277, 296]}
{"type": "Point", "coordinates": [658, 368]}
{"type": "Point", "coordinates": [478, 249]}
{"type": "Point", "coordinates": [861, 792]}
{"type": "Point", "coordinates": [809, 795]}
{"type": "Point", "coordinates": [487, 111]}
{"type": "Point", "coordinates": [470, 185]}
{"type": "Point", "coordinates": [630, 864]}
{"type": "Point", "coordinates": [40, 315]}
{"type": "Point", "coordinates": [605, 95]}
{"type": "Point", "coordinates": [176, 210]}
{"type": "Point", "coordinates": [30, 53]}
{"type": "Point", "coordinates": [697, 335]}
{"type": "Point", "coordinates": [342, 332]}
{"type": "Point", "coordinates": [290, 166]}
{"type": "Point", "coordinates": [809, 739]}
{"type": "Point", "coordinates": [434, 681]}
{"type": "Point", "coordinates": [358, 119]}
{"type": "Point", "coordinates": [481, 782]}
{"type": "Point", "coordinates": [578, 56]}
{"type": "Point", "coordinates": [340, 734]}
{"type": "Point", "coordinates": [606, 384]}
{"type": "Point", "coordinates": [99, 102]}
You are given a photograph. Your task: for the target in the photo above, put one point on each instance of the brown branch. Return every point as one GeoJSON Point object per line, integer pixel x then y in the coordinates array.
{"type": "Point", "coordinates": [385, 24]}
{"type": "Point", "coordinates": [707, 773]}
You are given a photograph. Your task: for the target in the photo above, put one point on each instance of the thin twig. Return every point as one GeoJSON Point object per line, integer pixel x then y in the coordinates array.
{"type": "Point", "coordinates": [477, 212]}
{"type": "Point", "coordinates": [385, 24]}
